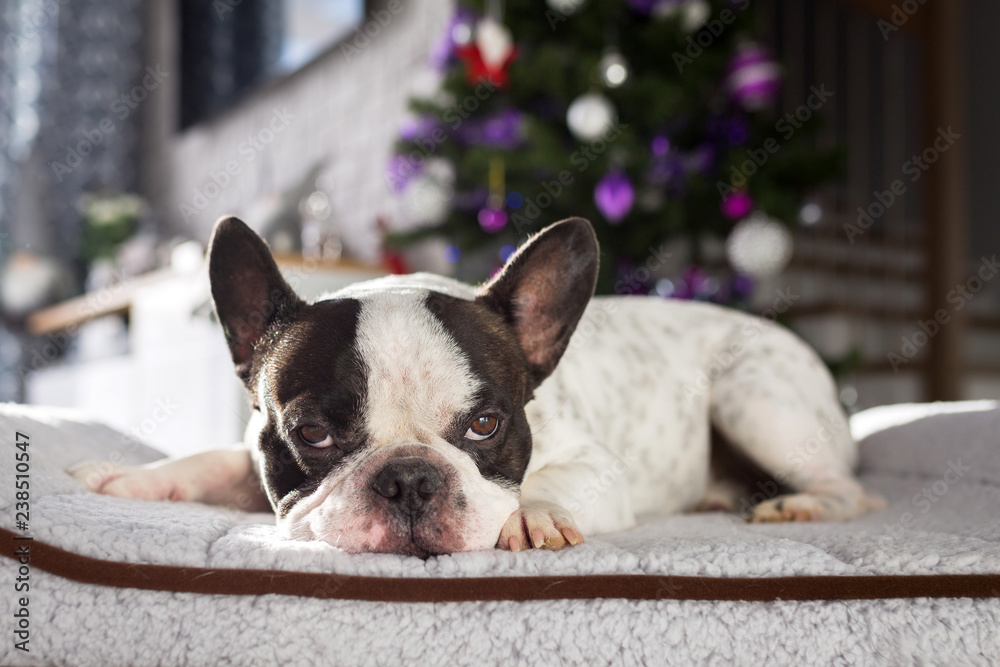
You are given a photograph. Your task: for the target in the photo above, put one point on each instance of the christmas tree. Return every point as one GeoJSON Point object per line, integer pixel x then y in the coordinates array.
{"type": "Point", "coordinates": [654, 119]}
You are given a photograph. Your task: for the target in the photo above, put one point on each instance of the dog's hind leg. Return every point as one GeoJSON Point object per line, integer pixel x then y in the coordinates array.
{"type": "Point", "coordinates": [776, 404]}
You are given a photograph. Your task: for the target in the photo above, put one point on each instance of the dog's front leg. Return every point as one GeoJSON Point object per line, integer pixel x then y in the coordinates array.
{"type": "Point", "coordinates": [217, 477]}
{"type": "Point", "coordinates": [566, 499]}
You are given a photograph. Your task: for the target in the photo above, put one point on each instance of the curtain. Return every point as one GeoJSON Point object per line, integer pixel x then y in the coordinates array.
{"type": "Point", "coordinates": [72, 85]}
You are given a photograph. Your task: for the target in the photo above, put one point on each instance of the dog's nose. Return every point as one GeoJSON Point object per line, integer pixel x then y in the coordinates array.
{"type": "Point", "coordinates": [408, 482]}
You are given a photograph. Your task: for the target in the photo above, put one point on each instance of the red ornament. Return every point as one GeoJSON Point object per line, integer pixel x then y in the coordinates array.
{"type": "Point", "coordinates": [477, 70]}
{"type": "Point", "coordinates": [488, 56]}
{"type": "Point", "coordinates": [391, 258]}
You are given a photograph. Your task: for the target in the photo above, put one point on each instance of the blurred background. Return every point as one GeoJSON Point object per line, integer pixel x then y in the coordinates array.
{"type": "Point", "coordinates": [826, 163]}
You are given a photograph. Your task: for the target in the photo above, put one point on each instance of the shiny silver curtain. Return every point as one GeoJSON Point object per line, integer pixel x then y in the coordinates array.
{"type": "Point", "coordinates": [73, 81]}
{"type": "Point", "coordinates": [93, 105]}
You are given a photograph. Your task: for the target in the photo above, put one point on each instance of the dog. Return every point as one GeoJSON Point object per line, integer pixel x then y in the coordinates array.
{"type": "Point", "coordinates": [419, 415]}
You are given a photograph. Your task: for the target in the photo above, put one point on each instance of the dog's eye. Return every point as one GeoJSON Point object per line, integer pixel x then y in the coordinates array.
{"type": "Point", "coordinates": [315, 436]}
{"type": "Point", "coordinates": [482, 428]}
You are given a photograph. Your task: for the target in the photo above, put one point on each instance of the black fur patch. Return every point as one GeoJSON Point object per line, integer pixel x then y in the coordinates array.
{"type": "Point", "coordinates": [314, 376]}
{"type": "Point", "coordinates": [496, 359]}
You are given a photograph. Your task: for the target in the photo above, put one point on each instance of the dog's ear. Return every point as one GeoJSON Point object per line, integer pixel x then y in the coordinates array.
{"type": "Point", "coordinates": [543, 290]}
{"type": "Point", "coordinates": [248, 291]}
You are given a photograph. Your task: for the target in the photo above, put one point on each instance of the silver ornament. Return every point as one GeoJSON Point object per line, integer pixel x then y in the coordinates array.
{"type": "Point", "coordinates": [589, 116]}
{"type": "Point", "coordinates": [565, 7]}
{"type": "Point", "coordinates": [613, 69]}
{"type": "Point", "coordinates": [759, 246]}
{"type": "Point", "coordinates": [694, 15]}
{"type": "Point", "coordinates": [427, 198]}
{"type": "Point", "coordinates": [810, 213]}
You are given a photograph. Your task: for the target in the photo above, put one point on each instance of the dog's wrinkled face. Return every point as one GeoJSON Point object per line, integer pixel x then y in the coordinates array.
{"type": "Point", "coordinates": [397, 443]}
{"type": "Point", "coordinates": [393, 413]}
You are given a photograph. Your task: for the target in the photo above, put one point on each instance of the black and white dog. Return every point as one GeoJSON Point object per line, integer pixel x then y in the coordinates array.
{"type": "Point", "coordinates": [419, 415]}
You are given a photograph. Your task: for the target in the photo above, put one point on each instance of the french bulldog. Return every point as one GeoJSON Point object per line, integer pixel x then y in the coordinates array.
{"type": "Point", "coordinates": [419, 415]}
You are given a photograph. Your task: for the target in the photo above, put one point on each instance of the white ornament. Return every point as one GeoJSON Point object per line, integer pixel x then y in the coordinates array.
{"type": "Point", "coordinates": [694, 15]}
{"type": "Point", "coordinates": [494, 42]}
{"type": "Point", "coordinates": [461, 34]}
{"type": "Point", "coordinates": [759, 246]}
{"type": "Point", "coordinates": [613, 68]}
{"type": "Point", "coordinates": [666, 9]}
{"type": "Point", "coordinates": [811, 213]}
{"type": "Point", "coordinates": [565, 7]}
{"type": "Point", "coordinates": [427, 198]}
{"type": "Point", "coordinates": [29, 281]}
{"type": "Point", "coordinates": [589, 116]}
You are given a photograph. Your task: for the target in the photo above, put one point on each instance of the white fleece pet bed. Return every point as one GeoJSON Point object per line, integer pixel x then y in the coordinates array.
{"type": "Point", "coordinates": [696, 588]}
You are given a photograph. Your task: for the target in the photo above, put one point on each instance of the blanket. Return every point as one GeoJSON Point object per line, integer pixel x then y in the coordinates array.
{"type": "Point", "coordinates": [202, 585]}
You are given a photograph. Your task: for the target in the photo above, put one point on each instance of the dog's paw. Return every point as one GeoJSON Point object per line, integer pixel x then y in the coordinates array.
{"type": "Point", "coordinates": [816, 507]}
{"type": "Point", "coordinates": [128, 481]}
{"type": "Point", "coordinates": [795, 507]}
{"type": "Point", "coordinates": [540, 526]}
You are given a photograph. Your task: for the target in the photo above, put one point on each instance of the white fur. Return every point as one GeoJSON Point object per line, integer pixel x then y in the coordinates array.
{"type": "Point", "coordinates": [622, 427]}
{"type": "Point", "coordinates": [418, 378]}
{"type": "Point", "coordinates": [414, 284]}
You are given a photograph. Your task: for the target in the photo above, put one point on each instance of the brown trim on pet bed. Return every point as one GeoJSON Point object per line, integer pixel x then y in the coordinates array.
{"type": "Point", "coordinates": [468, 589]}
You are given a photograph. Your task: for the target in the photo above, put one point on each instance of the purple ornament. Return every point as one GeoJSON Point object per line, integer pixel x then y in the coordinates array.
{"type": "Point", "coordinates": [667, 170]}
{"type": "Point", "coordinates": [741, 285]}
{"type": "Point", "coordinates": [492, 220]}
{"type": "Point", "coordinates": [502, 130]}
{"type": "Point", "coordinates": [470, 200]}
{"type": "Point", "coordinates": [736, 205]}
{"type": "Point", "coordinates": [738, 132]}
{"type": "Point", "coordinates": [417, 128]}
{"type": "Point", "coordinates": [660, 146]}
{"type": "Point", "coordinates": [627, 277]}
{"type": "Point", "coordinates": [399, 171]}
{"type": "Point", "coordinates": [693, 283]}
{"type": "Point", "coordinates": [647, 7]}
{"type": "Point", "coordinates": [754, 77]}
{"type": "Point", "coordinates": [614, 196]}
{"type": "Point", "coordinates": [702, 159]}
{"type": "Point", "coordinates": [458, 33]}
{"type": "Point", "coordinates": [644, 7]}
{"type": "Point", "coordinates": [733, 130]}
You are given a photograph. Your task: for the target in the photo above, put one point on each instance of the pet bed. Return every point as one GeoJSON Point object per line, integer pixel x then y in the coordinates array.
{"type": "Point", "coordinates": [124, 582]}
